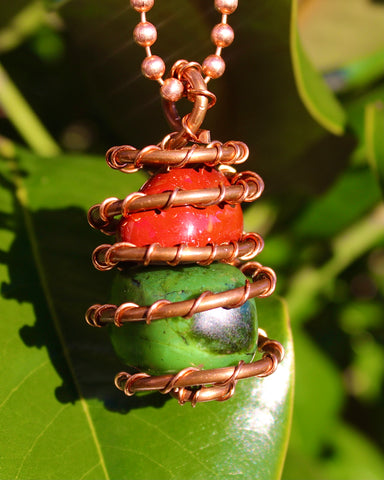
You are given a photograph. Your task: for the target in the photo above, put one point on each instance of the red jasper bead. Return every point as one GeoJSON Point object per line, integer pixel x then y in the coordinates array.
{"type": "Point", "coordinates": [190, 225]}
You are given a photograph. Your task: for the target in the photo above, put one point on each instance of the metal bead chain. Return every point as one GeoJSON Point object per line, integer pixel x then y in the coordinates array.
{"type": "Point", "coordinates": [153, 66]}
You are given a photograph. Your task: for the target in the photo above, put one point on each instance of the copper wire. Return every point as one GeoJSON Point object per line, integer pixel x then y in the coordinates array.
{"type": "Point", "coordinates": [106, 256]}
{"type": "Point", "coordinates": [113, 156]}
{"type": "Point", "coordinates": [127, 202]}
{"type": "Point", "coordinates": [196, 305]}
{"type": "Point", "coordinates": [131, 380]}
{"type": "Point", "coordinates": [212, 255]}
{"type": "Point", "coordinates": [211, 96]}
{"type": "Point", "coordinates": [190, 73]}
{"type": "Point", "coordinates": [187, 157]}
{"type": "Point", "coordinates": [179, 253]}
{"type": "Point", "coordinates": [130, 160]}
{"type": "Point", "coordinates": [218, 146]}
{"type": "Point", "coordinates": [151, 312]}
{"type": "Point", "coordinates": [214, 384]}
{"type": "Point", "coordinates": [129, 312]}
{"type": "Point", "coordinates": [171, 385]}
{"type": "Point", "coordinates": [191, 384]}
{"type": "Point", "coordinates": [258, 271]}
{"type": "Point", "coordinates": [242, 190]}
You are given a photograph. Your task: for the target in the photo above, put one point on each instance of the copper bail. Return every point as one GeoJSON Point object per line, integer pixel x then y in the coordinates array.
{"type": "Point", "coordinates": [187, 128]}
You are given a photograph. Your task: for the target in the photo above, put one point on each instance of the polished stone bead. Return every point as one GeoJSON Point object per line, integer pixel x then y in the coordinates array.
{"type": "Point", "coordinates": [193, 226]}
{"type": "Point", "coordinates": [211, 339]}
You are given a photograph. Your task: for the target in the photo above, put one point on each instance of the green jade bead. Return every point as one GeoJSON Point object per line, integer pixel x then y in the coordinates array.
{"type": "Point", "coordinates": [211, 339]}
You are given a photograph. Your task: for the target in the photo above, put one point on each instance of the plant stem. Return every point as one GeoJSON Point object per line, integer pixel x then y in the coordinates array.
{"type": "Point", "coordinates": [24, 119]}
{"type": "Point", "coordinates": [309, 282]}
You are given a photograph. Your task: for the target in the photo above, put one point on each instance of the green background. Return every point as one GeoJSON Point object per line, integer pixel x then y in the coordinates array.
{"type": "Point", "coordinates": [304, 88]}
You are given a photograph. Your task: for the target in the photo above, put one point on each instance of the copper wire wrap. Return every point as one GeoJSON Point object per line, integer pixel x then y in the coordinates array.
{"type": "Point", "coordinates": [187, 146]}
{"type": "Point", "coordinates": [245, 187]}
{"type": "Point", "coordinates": [128, 159]}
{"type": "Point", "coordinates": [215, 384]}
{"type": "Point", "coordinates": [106, 256]}
{"type": "Point", "coordinates": [263, 285]}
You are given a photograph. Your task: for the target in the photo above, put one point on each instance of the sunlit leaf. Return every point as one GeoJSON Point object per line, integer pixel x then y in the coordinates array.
{"type": "Point", "coordinates": [58, 389]}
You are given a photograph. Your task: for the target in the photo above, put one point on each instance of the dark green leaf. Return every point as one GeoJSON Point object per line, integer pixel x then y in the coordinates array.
{"type": "Point", "coordinates": [55, 3]}
{"type": "Point", "coordinates": [58, 386]}
{"type": "Point", "coordinates": [347, 455]}
{"type": "Point", "coordinates": [316, 408]}
{"type": "Point", "coordinates": [352, 195]}
{"type": "Point", "coordinates": [321, 445]}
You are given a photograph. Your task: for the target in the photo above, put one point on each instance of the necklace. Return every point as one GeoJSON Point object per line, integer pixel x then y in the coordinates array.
{"type": "Point", "coordinates": [184, 294]}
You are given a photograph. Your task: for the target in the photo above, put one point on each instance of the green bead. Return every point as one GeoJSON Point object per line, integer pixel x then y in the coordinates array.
{"type": "Point", "coordinates": [211, 339]}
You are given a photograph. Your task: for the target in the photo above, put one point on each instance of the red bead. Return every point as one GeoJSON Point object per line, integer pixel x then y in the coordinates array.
{"type": "Point", "coordinates": [193, 226]}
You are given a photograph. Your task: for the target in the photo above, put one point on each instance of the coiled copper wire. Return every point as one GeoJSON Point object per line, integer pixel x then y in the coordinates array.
{"type": "Point", "coordinates": [129, 160]}
{"type": "Point", "coordinates": [215, 384]}
{"type": "Point", "coordinates": [264, 281]}
{"type": "Point", "coordinates": [245, 187]}
{"type": "Point", "coordinates": [190, 384]}
{"type": "Point", "coordinates": [106, 256]}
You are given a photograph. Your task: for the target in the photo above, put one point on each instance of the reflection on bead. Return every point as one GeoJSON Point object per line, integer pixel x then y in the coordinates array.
{"type": "Point", "coordinates": [222, 35]}
{"type": "Point", "coordinates": [172, 89]}
{"type": "Point", "coordinates": [153, 67]}
{"type": "Point", "coordinates": [145, 34]}
{"type": "Point", "coordinates": [142, 5]}
{"type": "Point", "coordinates": [213, 66]}
{"type": "Point", "coordinates": [226, 7]}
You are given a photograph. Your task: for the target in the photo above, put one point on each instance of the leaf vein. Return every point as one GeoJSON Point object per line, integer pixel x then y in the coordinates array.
{"type": "Point", "coordinates": [180, 445]}
{"type": "Point", "coordinates": [18, 386]}
{"type": "Point", "coordinates": [37, 438]}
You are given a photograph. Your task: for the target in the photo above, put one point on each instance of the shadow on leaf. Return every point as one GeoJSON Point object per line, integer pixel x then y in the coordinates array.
{"type": "Point", "coordinates": [61, 284]}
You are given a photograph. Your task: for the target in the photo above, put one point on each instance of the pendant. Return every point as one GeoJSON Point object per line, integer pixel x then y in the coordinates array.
{"type": "Point", "coordinates": [182, 311]}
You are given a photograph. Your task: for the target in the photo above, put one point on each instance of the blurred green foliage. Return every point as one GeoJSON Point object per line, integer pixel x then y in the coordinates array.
{"type": "Point", "coordinates": [321, 216]}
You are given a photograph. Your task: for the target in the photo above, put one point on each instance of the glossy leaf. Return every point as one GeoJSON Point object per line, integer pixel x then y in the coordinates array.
{"type": "Point", "coordinates": [314, 92]}
{"type": "Point", "coordinates": [374, 139]}
{"type": "Point", "coordinates": [58, 386]}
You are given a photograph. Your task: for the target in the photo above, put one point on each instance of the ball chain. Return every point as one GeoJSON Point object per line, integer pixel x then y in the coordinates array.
{"type": "Point", "coordinates": [153, 66]}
